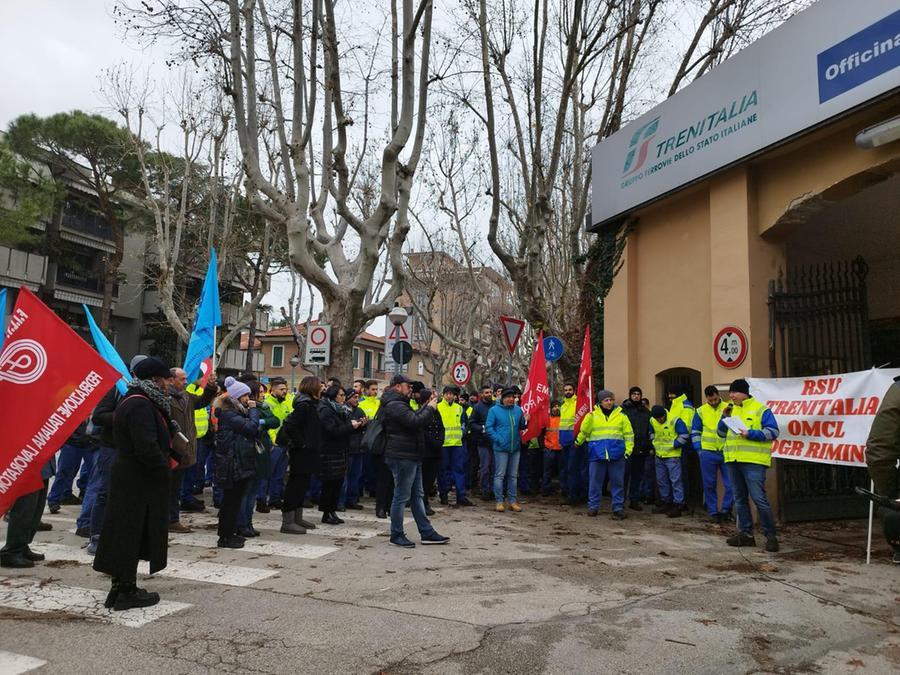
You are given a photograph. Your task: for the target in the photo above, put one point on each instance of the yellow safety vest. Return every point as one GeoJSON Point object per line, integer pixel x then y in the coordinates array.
{"type": "Point", "coordinates": [201, 415]}
{"type": "Point", "coordinates": [740, 449]}
{"type": "Point", "coordinates": [451, 416]}
{"type": "Point", "coordinates": [414, 404]}
{"type": "Point", "coordinates": [709, 438]}
{"type": "Point", "coordinates": [281, 409]}
{"type": "Point", "coordinates": [679, 410]}
{"type": "Point", "coordinates": [567, 414]}
{"type": "Point", "coordinates": [370, 405]}
{"type": "Point", "coordinates": [664, 436]}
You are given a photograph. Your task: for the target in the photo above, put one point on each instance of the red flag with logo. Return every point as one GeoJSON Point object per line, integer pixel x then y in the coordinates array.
{"type": "Point", "coordinates": [585, 392]}
{"type": "Point", "coordinates": [536, 397]}
{"type": "Point", "coordinates": [50, 380]}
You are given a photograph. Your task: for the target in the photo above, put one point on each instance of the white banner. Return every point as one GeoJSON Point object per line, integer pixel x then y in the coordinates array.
{"type": "Point", "coordinates": [824, 419]}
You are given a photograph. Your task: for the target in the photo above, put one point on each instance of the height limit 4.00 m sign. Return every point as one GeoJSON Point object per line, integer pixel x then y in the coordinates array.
{"type": "Point", "coordinates": [730, 347]}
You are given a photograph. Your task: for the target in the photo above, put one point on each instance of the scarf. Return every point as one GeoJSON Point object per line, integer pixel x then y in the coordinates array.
{"type": "Point", "coordinates": [157, 396]}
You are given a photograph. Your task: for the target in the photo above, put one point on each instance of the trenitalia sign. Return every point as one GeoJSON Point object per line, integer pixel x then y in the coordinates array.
{"type": "Point", "coordinates": [828, 59]}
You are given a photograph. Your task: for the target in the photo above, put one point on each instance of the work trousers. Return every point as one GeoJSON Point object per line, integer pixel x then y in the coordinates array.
{"type": "Point", "coordinates": [230, 507]}
{"type": "Point", "coordinates": [712, 464]}
{"type": "Point", "coordinates": [24, 518]}
{"type": "Point", "coordinates": [668, 480]}
{"type": "Point", "coordinates": [453, 471]}
{"type": "Point", "coordinates": [600, 470]}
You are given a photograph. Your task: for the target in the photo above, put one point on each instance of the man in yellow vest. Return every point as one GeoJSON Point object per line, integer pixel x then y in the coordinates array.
{"type": "Point", "coordinates": [708, 445]}
{"type": "Point", "coordinates": [569, 474]}
{"type": "Point", "coordinates": [669, 435]}
{"type": "Point", "coordinates": [271, 487]}
{"type": "Point", "coordinates": [194, 400]}
{"type": "Point", "coordinates": [453, 457]}
{"type": "Point", "coordinates": [748, 453]}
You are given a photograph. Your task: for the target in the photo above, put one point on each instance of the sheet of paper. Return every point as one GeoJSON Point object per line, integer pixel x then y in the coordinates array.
{"type": "Point", "coordinates": [736, 424]}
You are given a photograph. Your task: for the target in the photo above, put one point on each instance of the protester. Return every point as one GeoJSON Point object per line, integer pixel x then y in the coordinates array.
{"type": "Point", "coordinates": [301, 432]}
{"type": "Point", "coordinates": [403, 456]}
{"type": "Point", "coordinates": [136, 519]}
{"type": "Point", "coordinates": [369, 404]}
{"type": "Point", "coordinates": [77, 452]}
{"type": "Point", "coordinates": [552, 450]}
{"type": "Point", "coordinates": [882, 455]}
{"type": "Point", "coordinates": [747, 456]}
{"type": "Point", "coordinates": [24, 519]}
{"type": "Point", "coordinates": [669, 435]}
{"type": "Point", "coordinates": [708, 444]}
{"type": "Point", "coordinates": [271, 483]}
{"type": "Point", "coordinates": [268, 421]}
{"type": "Point", "coordinates": [570, 480]}
{"type": "Point", "coordinates": [433, 445]}
{"type": "Point", "coordinates": [610, 441]}
{"type": "Point", "coordinates": [639, 417]}
{"type": "Point", "coordinates": [680, 407]}
{"type": "Point", "coordinates": [236, 439]}
{"type": "Point", "coordinates": [504, 424]}
{"type": "Point", "coordinates": [336, 430]}
{"type": "Point", "coordinates": [453, 456]}
{"type": "Point", "coordinates": [351, 490]}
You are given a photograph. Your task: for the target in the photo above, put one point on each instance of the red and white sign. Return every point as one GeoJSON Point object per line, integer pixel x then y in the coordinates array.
{"type": "Point", "coordinates": [512, 330]}
{"type": "Point", "coordinates": [50, 380]}
{"type": "Point", "coordinates": [399, 333]}
{"type": "Point", "coordinates": [462, 373]}
{"type": "Point", "coordinates": [824, 419]}
{"type": "Point", "coordinates": [318, 346]}
{"type": "Point", "coordinates": [394, 334]}
{"type": "Point", "coordinates": [730, 347]}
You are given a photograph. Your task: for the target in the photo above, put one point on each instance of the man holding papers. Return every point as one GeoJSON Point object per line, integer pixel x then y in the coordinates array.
{"type": "Point", "coordinates": [749, 428]}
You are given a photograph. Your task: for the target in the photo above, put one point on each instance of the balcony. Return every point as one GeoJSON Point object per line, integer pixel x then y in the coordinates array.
{"type": "Point", "coordinates": [236, 359]}
{"type": "Point", "coordinates": [18, 268]}
{"type": "Point", "coordinates": [83, 221]}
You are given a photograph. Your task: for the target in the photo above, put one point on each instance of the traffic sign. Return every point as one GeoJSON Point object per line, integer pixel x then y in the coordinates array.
{"type": "Point", "coordinates": [462, 373]}
{"type": "Point", "coordinates": [730, 347]}
{"type": "Point", "coordinates": [512, 330]}
{"type": "Point", "coordinates": [553, 348]}
{"type": "Point", "coordinates": [318, 346]}
{"type": "Point", "coordinates": [392, 335]}
{"type": "Point", "coordinates": [401, 352]}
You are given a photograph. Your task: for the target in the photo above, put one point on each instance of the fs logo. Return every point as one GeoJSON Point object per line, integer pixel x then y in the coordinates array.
{"type": "Point", "coordinates": [23, 362]}
{"type": "Point", "coordinates": [637, 149]}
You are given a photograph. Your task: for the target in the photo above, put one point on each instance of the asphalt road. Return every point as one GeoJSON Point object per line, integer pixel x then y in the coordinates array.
{"type": "Point", "coordinates": [547, 590]}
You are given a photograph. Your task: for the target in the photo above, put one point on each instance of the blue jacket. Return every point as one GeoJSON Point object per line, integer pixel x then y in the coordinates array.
{"type": "Point", "coordinates": [503, 426]}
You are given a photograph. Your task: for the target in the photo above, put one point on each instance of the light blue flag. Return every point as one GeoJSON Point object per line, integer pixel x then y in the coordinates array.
{"type": "Point", "coordinates": [108, 352]}
{"type": "Point", "coordinates": [2, 316]}
{"type": "Point", "coordinates": [209, 316]}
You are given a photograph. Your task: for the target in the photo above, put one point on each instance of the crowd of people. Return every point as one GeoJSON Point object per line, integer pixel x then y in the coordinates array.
{"type": "Point", "coordinates": [146, 456]}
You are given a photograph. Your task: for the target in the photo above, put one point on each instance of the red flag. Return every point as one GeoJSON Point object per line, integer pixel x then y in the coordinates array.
{"type": "Point", "coordinates": [585, 391]}
{"type": "Point", "coordinates": [536, 397]}
{"type": "Point", "coordinates": [206, 367]}
{"type": "Point", "coordinates": [50, 380]}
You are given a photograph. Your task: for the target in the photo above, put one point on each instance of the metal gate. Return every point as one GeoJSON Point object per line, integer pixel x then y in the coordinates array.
{"type": "Point", "coordinates": [818, 325]}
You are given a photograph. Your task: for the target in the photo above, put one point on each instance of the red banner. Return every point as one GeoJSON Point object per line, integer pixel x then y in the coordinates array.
{"type": "Point", "coordinates": [536, 397]}
{"type": "Point", "coordinates": [50, 380]}
{"type": "Point", "coordinates": [585, 392]}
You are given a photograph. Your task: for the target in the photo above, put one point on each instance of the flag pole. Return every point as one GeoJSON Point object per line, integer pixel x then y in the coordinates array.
{"type": "Point", "coordinates": [871, 515]}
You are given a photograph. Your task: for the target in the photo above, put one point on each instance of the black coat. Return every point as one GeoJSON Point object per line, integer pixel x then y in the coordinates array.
{"type": "Point", "coordinates": [404, 426]}
{"type": "Point", "coordinates": [336, 430]}
{"type": "Point", "coordinates": [301, 432]}
{"type": "Point", "coordinates": [477, 417]}
{"type": "Point", "coordinates": [103, 416]}
{"type": "Point", "coordinates": [236, 436]}
{"type": "Point", "coordinates": [433, 438]}
{"type": "Point", "coordinates": [137, 511]}
{"type": "Point", "coordinates": [356, 437]}
{"type": "Point", "coordinates": [639, 417]}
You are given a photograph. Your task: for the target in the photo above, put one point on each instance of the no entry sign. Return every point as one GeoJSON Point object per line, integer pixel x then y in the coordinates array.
{"type": "Point", "coordinates": [730, 347]}
{"type": "Point", "coordinates": [461, 373]}
{"type": "Point", "coordinates": [318, 346]}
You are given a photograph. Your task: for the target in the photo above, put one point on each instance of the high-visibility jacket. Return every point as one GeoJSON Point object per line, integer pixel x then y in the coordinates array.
{"type": "Point", "coordinates": [370, 405]}
{"type": "Point", "coordinates": [608, 438]}
{"type": "Point", "coordinates": [451, 416]}
{"type": "Point", "coordinates": [762, 430]}
{"type": "Point", "coordinates": [682, 409]}
{"type": "Point", "coordinates": [201, 415]}
{"type": "Point", "coordinates": [567, 420]}
{"type": "Point", "coordinates": [414, 404]}
{"type": "Point", "coordinates": [551, 435]}
{"type": "Point", "coordinates": [281, 409]}
{"type": "Point", "coordinates": [668, 437]}
{"type": "Point", "coordinates": [705, 428]}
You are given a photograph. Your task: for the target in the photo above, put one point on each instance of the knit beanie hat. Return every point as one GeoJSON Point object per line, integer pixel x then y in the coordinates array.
{"type": "Point", "coordinates": [604, 393]}
{"type": "Point", "coordinates": [150, 367]}
{"type": "Point", "coordinates": [136, 360]}
{"type": "Point", "coordinates": [740, 386]}
{"type": "Point", "coordinates": [635, 390]}
{"type": "Point", "coordinates": [236, 389]}
{"type": "Point", "coordinates": [657, 411]}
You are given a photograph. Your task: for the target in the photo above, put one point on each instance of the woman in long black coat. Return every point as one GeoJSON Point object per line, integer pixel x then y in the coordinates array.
{"type": "Point", "coordinates": [336, 430]}
{"type": "Point", "coordinates": [301, 433]}
{"type": "Point", "coordinates": [137, 511]}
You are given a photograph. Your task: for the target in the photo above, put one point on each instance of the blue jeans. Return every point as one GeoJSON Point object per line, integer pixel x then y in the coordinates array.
{"type": "Point", "coordinates": [599, 470]}
{"type": "Point", "coordinates": [453, 471]}
{"type": "Point", "coordinates": [352, 486]}
{"type": "Point", "coordinates": [485, 468]}
{"type": "Point", "coordinates": [506, 469]}
{"type": "Point", "coordinates": [93, 507]}
{"type": "Point", "coordinates": [577, 472]}
{"type": "Point", "coordinates": [248, 501]}
{"type": "Point", "coordinates": [711, 464]}
{"type": "Point", "coordinates": [564, 467]}
{"type": "Point", "coordinates": [668, 480]}
{"type": "Point", "coordinates": [407, 475]}
{"type": "Point", "coordinates": [750, 480]}
{"type": "Point", "coordinates": [551, 463]}
{"type": "Point", "coordinates": [271, 487]}
{"type": "Point", "coordinates": [70, 458]}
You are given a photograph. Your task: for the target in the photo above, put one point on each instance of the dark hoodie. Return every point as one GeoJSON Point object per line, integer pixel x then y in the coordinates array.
{"type": "Point", "coordinates": [301, 433]}
{"type": "Point", "coordinates": [639, 417]}
{"type": "Point", "coordinates": [404, 426]}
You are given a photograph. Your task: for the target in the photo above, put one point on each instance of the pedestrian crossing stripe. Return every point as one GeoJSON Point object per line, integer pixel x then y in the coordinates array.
{"type": "Point", "coordinates": [282, 548]}
{"type": "Point", "coordinates": [14, 664]}
{"type": "Point", "coordinates": [24, 594]}
{"type": "Point", "coordinates": [270, 525]}
{"type": "Point", "coordinates": [207, 572]}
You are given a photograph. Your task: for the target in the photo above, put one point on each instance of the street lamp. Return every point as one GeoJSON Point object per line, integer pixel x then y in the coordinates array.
{"type": "Point", "coordinates": [398, 317]}
{"type": "Point", "coordinates": [295, 361]}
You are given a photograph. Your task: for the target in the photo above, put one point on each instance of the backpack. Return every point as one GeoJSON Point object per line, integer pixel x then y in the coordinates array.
{"type": "Point", "coordinates": [374, 440]}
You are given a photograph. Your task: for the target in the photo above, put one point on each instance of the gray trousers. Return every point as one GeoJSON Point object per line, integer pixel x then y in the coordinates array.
{"type": "Point", "coordinates": [24, 518]}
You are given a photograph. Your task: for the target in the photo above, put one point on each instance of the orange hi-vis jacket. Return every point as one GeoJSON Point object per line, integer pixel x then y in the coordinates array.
{"type": "Point", "coordinates": [551, 435]}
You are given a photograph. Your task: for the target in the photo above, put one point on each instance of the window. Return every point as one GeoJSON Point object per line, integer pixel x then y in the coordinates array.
{"type": "Point", "coordinates": [278, 356]}
{"type": "Point", "coordinates": [380, 362]}
{"type": "Point", "coordinates": [367, 364]}
{"type": "Point", "coordinates": [355, 358]}
{"type": "Point", "coordinates": [421, 368]}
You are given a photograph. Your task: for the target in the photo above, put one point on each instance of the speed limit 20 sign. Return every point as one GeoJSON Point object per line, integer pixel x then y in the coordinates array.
{"type": "Point", "coordinates": [730, 347]}
{"type": "Point", "coordinates": [461, 373]}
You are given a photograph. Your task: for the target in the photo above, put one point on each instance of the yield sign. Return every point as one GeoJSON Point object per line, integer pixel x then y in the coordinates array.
{"type": "Point", "coordinates": [399, 333]}
{"type": "Point", "coordinates": [512, 331]}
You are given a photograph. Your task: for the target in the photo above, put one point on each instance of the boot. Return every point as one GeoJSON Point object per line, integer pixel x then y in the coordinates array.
{"type": "Point", "coordinates": [675, 511]}
{"type": "Point", "coordinates": [635, 505]}
{"type": "Point", "coordinates": [662, 507]}
{"type": "Point", "coordinates": [288, 525]}
{"type": "Point", "coordinates": [112, 595]}
{"type": "Point", "coordinates": [329, 518]}
{"type": "Point", "coordinates": [130, 596]}
{"type": "Point", "coordinates": [298, 518]}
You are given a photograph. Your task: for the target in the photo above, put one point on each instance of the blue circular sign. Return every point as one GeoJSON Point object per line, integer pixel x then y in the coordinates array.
{"type": "Point", "coordinates": [553, 348]}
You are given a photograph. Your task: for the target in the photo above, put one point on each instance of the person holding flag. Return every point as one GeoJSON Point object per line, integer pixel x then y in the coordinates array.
{"type": "Point", "coordinates": [577, 466]}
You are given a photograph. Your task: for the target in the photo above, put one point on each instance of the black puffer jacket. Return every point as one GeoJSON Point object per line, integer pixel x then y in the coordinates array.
{"type": "Point", "coordinates": [336, 430]}
{"type": "Point", "coordinates": [103, 416]}
{"type": "Point", "coordinates": [236, 442]}
{"type": "Point", "coordinates": [356, 437]}
{"type": "Point", "coordinates": [639, 417]}
{"type": "Point", "coordinates": [404, 426]}
{"type": "Point", "coordinates": [301, 432]}
{"type": "Point", "coordinates": [433, 434]}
